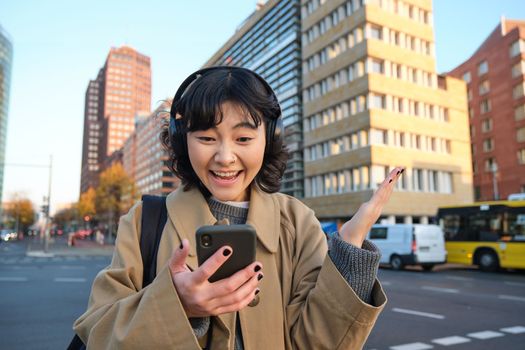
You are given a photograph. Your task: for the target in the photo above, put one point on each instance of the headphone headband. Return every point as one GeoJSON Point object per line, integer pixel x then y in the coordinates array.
{"type": "Point", "coordinates": [274, 128]}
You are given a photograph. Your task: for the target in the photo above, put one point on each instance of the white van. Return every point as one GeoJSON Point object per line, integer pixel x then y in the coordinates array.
{"type": "Point", "coordinates": [409, 244]}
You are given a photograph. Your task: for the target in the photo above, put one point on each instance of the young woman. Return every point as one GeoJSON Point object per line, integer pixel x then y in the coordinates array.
{"type": "Point", "coordinates": [225, 142]}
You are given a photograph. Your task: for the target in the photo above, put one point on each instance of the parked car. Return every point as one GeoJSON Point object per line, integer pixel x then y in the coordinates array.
{"type": "Point", "coordinates": [409, 244]}
{"type": "Point", "coordinates": [8, 235]}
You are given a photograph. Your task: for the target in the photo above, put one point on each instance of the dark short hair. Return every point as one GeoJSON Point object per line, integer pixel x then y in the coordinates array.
{"type": "Point", "coordinates": [200, 109]}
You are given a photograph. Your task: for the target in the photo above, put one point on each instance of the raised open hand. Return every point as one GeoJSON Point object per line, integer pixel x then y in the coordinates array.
{"type": "Point", "coordinates": [354, 231]}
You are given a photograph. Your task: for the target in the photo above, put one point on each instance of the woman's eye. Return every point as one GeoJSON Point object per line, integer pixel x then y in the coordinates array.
{"type": "Point", "coordinates": [244, 139]}
{"type": "Point", "coordinates": [205, 138]}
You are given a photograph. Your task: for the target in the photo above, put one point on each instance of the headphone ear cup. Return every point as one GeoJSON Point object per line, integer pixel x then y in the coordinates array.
{"type": "Point", "coordinates": [177, 135]}
{"type": "Point", "coordinates": [274, 135]}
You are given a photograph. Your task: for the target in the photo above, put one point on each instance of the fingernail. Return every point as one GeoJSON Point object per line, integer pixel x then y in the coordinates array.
{"type": "Point", "coordinates": [402, 170]}
{"type": "Point", "coordinates": [257, 268]}
{"type": "Point", "coordinates": [389, 181]}
{"type": "Point", "coordinates": [226, 252]}
{"type": "Point", "coordinates": [257, 291]}
{"type": "Point", "coordinates": [181, 246]}
{"type": "Point", "coordinates": [398, 172]}
{"type": "Point", "coordinates": [260, 277]}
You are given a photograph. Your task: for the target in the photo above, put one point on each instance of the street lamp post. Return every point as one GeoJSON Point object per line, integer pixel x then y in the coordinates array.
{"type": "Point", "coordinates": [47, 222]}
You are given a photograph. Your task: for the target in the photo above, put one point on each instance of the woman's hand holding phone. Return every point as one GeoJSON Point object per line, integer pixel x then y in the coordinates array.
{"type": "Point", "coordinates": [199, 297]}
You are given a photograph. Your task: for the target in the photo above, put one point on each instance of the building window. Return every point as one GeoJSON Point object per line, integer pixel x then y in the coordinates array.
{"type": "Point", "coordinates": [378, 137]}
{"type": "Point", "coordinates": [518, 69]}
{"type": "Point", "coordinates": [417, 179]}
{"type": "Point", "coordinates": [488, 145]}
{"type": "Point", "coordinates": [520, 135]}
{"type": "Point", "coordinates": [377, 101]}
{"type": "Point", "coordinates": [490, 164]}
{"type": "Point", "coordinates": [521, 156]}
{"type": "Point", "coordinates": [517, 47]}
{"type": "Point", "coordinates": [486, 125]}
{"type": "Point", "coordinates": [376, 66]}
{"type": "Point", "coordinates": [483, 68]}
{"type": "Point", "coordinates": [518, 90]}
{"type": "Point", "coordinates": [484, 87]}
{"type": "Point", "coordinates": [485, 106]}
{"type": "Point", "coordinates": [519, 112]}
{"type": "Point", "coordinates": [467, 77]}
{"type": "Point", "coordinates": [375, 32]}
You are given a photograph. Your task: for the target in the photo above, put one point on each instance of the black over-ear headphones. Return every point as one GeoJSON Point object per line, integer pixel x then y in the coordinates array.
{"type": "Point", "coordinates": [274, 127]}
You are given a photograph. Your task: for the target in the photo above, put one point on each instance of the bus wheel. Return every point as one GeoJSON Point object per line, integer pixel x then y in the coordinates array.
{"type": "Point", "coordinates": [396, 262]}
{"type": "Point", "coordinates": [488, 261]}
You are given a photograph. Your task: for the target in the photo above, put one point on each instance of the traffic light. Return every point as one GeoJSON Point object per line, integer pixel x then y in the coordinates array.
{"type": "Point", "coordinates": [45, 209]}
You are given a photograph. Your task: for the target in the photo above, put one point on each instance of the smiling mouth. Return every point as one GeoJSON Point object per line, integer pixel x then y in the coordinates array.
{"type": "Point", "coordinates": [225, 175]}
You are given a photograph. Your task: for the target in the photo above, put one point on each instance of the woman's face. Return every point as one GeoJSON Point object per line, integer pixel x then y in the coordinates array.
{"type": "Point", "coordinates": [227, 157]}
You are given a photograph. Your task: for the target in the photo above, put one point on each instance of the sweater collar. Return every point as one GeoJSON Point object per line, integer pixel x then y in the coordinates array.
{"type": "Point", "coordinates": [188, 210]}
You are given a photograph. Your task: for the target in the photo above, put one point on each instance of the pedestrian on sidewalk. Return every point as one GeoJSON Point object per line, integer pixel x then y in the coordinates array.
{"type": "Point", "coordinates": [99, 237]}
{"type": "Point", "coordinates": [225, 142]}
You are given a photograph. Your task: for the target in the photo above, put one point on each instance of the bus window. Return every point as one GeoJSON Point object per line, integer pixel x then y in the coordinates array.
{"type": "Point", "coordinates": [485, 226]}
{"type": "Point", "coordinates": [516, 226]}
{"type": "Point", "coordinates": [451, 226]}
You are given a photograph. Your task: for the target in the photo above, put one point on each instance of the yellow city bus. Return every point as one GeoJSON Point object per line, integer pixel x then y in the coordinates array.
{"type": "Point", "coordinates": [488, 234]}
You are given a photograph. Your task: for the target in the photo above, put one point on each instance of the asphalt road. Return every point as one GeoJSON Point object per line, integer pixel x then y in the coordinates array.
{"type": "Point", "coordinates": [451, 308]}
{"type": "Point", "coordinates": [40, 297]}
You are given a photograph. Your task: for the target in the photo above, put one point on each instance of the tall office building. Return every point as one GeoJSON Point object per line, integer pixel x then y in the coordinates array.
{"type": "Point", "coordinates": [496, 98]}
{"type": "Point", "coordinates": [121, 91]}
{"type": "Point", "coordinates": [268, 42]}
{"type": "Point", "coordinates": [6, 61]}
{"type": "Point", "coordinates": [373, 101]}
{"type": "Point", "coordinates": [144, 159]}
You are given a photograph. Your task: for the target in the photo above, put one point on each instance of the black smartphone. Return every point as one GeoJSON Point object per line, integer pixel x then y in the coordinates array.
{"type": "Point", "coordinates": [242, 239]}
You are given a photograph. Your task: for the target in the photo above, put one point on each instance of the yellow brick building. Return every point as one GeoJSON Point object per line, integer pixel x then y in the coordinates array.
{"type": "Point", "coordinates": [373, 101]}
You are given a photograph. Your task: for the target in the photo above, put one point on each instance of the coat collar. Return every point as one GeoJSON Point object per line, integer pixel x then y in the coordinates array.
{"type": "Point", "coordinates": [188, 210]}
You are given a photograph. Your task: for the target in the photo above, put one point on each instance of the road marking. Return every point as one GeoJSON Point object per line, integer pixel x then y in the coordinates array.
{"type": "Point", "coordinates": [439, 289]}
{"type": "Point", "coordinates": [511, 297]}
{"type": "Point", "coordinates": [412, 346]}
{"type": "Point", "coordinates": [69, 279]}
{"type": "Point", "coordinates": [519, 284]}
{"type": "Point", "coordinates": [485, 335]}
{"type": "Point", "coordinates": [451, 340]}
{"type": "Point", "coordinates": [513, 330]}
{"type": "Point", "coordinates": [418, 313]}
{"type": "Point", "coordinates": [457, 278]}
{"type": "Point", "coordinates": [13, 279]}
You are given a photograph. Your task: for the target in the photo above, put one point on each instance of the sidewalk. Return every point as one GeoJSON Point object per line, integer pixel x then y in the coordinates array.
{"type": "Point", "coordinates": [57, 246]}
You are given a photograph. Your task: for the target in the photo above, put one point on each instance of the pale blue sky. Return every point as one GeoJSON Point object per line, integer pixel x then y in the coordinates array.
{"type": "Point", "coordinates": [60, 45]}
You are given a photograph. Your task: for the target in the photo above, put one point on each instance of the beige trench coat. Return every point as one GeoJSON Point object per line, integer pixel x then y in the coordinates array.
{"type": "Point", "coordinates": [304, 301]}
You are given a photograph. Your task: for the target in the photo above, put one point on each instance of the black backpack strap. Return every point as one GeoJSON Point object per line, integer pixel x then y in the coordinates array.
{"type": "Point", "coordinates": [154, 216]}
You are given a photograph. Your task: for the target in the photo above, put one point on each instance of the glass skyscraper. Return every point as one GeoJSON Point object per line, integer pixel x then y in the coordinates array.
{"type": "Point", "coordinates": [6, 59]}
{"type": "Point", "coordinates": [268, 42]}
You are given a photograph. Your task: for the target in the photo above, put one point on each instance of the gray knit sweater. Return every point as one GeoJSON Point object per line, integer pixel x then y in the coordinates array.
{"type": "Point", "coordinates": [357, 265]}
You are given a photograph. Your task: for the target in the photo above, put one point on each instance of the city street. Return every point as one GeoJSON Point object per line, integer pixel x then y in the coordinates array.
{"type": "Point", "coordinates": [453, 307]}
